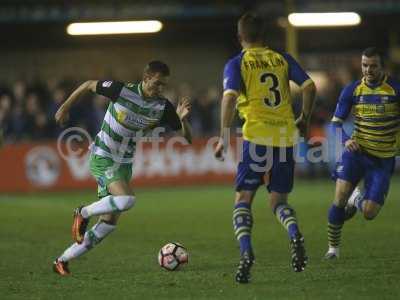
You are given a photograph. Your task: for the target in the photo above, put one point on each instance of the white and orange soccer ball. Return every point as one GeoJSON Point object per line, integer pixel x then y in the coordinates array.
{"type": "Point", "coordinates": [173, 256]}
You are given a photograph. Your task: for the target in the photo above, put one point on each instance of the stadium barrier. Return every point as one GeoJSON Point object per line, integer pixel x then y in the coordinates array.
{"type": "Point", "coordinates": [41, 167]}
{"type": "Point", "coordinates": [31, 167]}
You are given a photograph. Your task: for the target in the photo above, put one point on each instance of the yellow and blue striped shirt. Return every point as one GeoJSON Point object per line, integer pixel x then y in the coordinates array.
{"type": "Point", "coordinates": [376, 111]}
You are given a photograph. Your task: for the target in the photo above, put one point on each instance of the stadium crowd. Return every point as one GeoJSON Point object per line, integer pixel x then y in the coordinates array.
{"type": "Point", "coordinates": [27, 108]}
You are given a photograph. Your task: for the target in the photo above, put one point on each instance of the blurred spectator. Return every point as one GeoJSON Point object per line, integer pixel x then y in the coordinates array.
{"type": "Point", "coordinates": [205, 113]}
{"type": "Point", "coordinates": [19, 89]}
{"type": "Point", "coordinates": [100, 105]}
{"type": "Point", "coordinates": [27, 109]}
{"type": "Point", "coordinates": [185, 90]}
{"type": "Point", "coordinates": [5, 109]}
{"type": "Point", "coordinates": [17, 124]}
{"type": "Point", "coordinates": [42, 130]}
{"type": "Point", "coordinates": [32, 110]}
{"type": "Point", "coordinates": [57, 97]}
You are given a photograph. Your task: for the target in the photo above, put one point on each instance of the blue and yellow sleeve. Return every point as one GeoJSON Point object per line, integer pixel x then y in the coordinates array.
{"type": "Point", "coordinates": [345, 102]}
{"type": "Point", "coordinates": [233, 83]}
{"type": "Point", "coordinates": [342, 111]}
{"type": "Point", "coordinates": [296, 72]}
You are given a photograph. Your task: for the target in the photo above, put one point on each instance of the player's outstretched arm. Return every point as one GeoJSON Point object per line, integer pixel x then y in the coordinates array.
{"type": "Point", "coordinates": [308, 95]}
{"type": "Point", "coordinates": [62, 113]}
{"type": "Point", "coordinates": [183, 111]}
{"type": "Point", "coordinates": [227, 114]}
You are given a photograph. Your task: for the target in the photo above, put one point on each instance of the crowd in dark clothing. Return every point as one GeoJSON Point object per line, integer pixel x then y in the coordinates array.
{"type": "Point", "coordinates": [27, 109]}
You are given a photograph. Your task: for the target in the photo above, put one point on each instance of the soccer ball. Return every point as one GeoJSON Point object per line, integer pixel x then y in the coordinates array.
{"type": "Point", "coordinates": [172, 256]}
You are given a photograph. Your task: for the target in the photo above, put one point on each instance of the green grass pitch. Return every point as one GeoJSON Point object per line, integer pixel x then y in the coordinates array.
{"type": "Point", "coordinates": [36, 228]}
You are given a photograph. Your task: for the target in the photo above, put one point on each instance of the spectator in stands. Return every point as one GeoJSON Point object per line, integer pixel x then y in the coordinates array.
{"type": "Point", "coordinates": [205, 112]}
{"type": "Point", "coordinates": [36, 123]}
{"type": "Point", "coordinates": [5, 110]}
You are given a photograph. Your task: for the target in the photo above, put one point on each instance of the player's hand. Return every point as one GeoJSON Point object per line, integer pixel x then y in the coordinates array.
{"type": "Point", "coordinates": [303, 125]}
{"type": "Point", "coordinates": [352, 145]}
{"type": "Point", "coordinates": [219, 150]}
{"type": "Point", "coordinates": [183, 108]}
{"type": "Point", "coordinates": [62, 115]}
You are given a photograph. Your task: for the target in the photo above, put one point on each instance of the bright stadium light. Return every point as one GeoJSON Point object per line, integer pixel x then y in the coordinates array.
{"type": "Point", "coordinates": [123, 27]}
{"type": "Point", "coordinates": [324, 19]}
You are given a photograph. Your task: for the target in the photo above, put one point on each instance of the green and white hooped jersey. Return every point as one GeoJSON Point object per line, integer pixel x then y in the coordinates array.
{"type": "Point", "coordinates": [128, 117]}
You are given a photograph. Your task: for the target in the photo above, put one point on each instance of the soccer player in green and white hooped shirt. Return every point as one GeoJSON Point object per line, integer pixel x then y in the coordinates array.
{"type": "Point", "coordinates": [134, 108]}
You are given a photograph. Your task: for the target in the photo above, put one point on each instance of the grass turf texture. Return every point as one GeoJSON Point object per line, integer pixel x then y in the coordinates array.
{"type": "Point", "coordinates": [36, 228]}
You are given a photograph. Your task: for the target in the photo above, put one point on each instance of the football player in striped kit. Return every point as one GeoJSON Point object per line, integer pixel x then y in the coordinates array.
{"type": "Point", "coordinates": [134, 109]}
{"type": "Point", "coordinates": [371, 149]}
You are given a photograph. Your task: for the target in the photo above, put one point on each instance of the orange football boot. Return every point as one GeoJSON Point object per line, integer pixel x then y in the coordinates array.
{"type": "Point", "coordinates": [61, 268]}
{"type": "Point", "coordinates": [79, 226]}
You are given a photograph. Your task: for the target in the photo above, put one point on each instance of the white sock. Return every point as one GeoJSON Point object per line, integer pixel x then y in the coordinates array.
{"type": "Point", "coordinates": [108, 204]}
{"type": "Point", "coordinates": [334, 250]}
{"type": "Point", "coordinates": [92, 237]}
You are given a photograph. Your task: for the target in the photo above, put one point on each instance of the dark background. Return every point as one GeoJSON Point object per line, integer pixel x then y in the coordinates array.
{"type": "Point", "coordinates": [40, 64]}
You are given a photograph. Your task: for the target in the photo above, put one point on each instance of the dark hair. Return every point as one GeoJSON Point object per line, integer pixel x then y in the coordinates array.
{"type": "Point", "coordinates": [156, 66]}
{"type": "Point", "coordinates": [374, 51]}
{"type": "Point", "coordinates": [251, 27]}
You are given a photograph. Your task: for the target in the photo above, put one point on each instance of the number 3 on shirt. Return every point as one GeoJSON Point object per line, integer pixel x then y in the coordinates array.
{"type": "Point", "coordinates": [275, 95]}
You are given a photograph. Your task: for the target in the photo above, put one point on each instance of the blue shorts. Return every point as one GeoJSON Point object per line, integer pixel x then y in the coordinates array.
{"type": "Point", "coordinates": [375, 171]}
{"type": "Point", "coordinates": [259, 162]}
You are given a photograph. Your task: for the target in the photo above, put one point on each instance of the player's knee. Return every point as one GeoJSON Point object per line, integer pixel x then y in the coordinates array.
{"type": "Point", "coordinates": [370, 213]}
{"type": "Point", "coordinates": [124, 202]}
{"type": "Point", "coordinates": [370, 209]}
